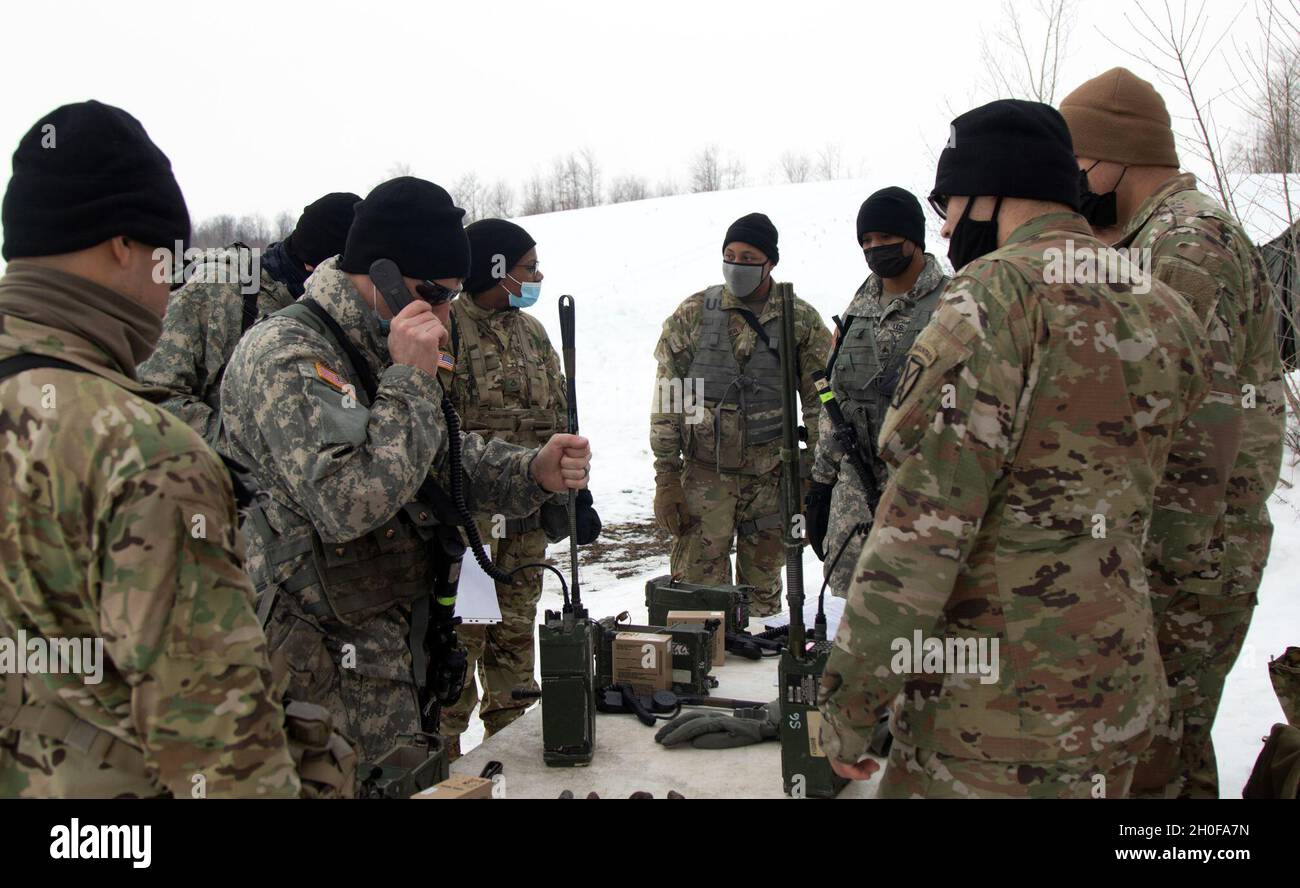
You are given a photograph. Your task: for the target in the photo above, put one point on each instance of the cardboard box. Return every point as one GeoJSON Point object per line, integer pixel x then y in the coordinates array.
{"type": "Point", "coordinates": [643, 660]}
{"type": "Point", "coordinates": [458, 787]}
{"type": "Point", "coordinates": [702, 617]}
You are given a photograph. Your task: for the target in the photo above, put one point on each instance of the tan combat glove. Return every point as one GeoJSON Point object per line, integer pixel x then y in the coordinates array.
{"type": "Point", "coordinates": [670, 504]}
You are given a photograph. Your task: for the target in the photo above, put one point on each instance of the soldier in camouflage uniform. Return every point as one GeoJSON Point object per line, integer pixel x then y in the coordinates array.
{"type": "Point", "coordinates": [207, 316]}
{"type": "Point", "coordinates": [339, 422]}
{"type": "Point", "coordinates": [119, 521]}
{"type": "Point", "coordinates": [1123, 140]}
{"type": "Point", "coordinates": [508, 385]}
{"type": "Point", "coordinates": [1026, 438]}
{"type": "Point", "coordinates": [891, 307]}
{"type": "Point", "coordinates": [715, 423]}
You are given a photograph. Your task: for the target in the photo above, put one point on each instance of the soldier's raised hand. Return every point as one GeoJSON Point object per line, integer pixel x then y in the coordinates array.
{"type": "Point", "coordinates": [416, 337]}
{"type": "Point", "coordinates": [563, 463]}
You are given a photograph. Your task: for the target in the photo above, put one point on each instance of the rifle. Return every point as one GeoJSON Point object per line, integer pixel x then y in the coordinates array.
{"type": "Point", "coordinates": [848, 438]}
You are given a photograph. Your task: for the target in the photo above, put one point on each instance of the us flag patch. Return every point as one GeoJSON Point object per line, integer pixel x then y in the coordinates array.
{"type": "Point", "coordinates": [446, 361]}
{"type": "Point", "coordinates": [330, 377]}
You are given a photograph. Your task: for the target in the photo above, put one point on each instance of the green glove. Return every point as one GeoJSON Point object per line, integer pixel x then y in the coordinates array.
{"type": "Point", "coordinates": [712, 730]}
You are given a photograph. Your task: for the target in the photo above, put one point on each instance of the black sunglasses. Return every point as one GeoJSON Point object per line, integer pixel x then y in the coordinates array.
{"type": "Point", "coordinates": [436, 294]}
{"type": "Point", "coordinates": [939, 203]}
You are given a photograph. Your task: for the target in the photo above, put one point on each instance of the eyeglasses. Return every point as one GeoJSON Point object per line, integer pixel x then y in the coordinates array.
{"type": "Point", "coordinates": [939, 203]}
{"type": "Point", "coordinates": [436, 294]}
{"type": "Point", "coordinates": [531, 269]}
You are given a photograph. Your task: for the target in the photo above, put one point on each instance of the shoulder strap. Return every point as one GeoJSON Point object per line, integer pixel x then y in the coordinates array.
{"type": "Point", "coordinates": [355, 358]}
{"type": "Point", "coordinates": [753, 322]}
{"type": "Point", "coordinates": [843, 327]}
{"type": "Point", "coordinates": [30, 361]}
{"type": "Point", "coordinates": [250, 312]}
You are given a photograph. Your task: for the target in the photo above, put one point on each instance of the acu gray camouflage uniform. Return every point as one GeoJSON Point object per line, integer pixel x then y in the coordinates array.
{"type": "Point", "coordinates": [867, 361]}
{"type": "Point", "coordinates": [340, 540]}
{"type": "Point", "coordinates": [205, 320]}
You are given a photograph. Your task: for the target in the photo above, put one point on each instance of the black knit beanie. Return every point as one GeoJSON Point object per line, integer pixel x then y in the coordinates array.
{"type": "Point", "coordinates": [893, 210]}
{"type": "Point", "coordinates": [1010, 148]}
{"type": "Point", "coordinates": [86, 173]}
{"type": "Point", "coordinates": [488, 239]}
{"type": "Point", "coordinates": [412, 222]}
{"type": "Point", "coordinates": [322, 229]}
{"type": "Point", "coordinates": [756, 230]}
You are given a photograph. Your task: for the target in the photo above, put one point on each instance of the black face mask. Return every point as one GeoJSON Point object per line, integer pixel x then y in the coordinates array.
{"type": "Point", "coordinates": [1101, 210]}
{"type": "Point", "coordinates": [888, 261]}
{"type": "Point", "coordinates": [970, 239]}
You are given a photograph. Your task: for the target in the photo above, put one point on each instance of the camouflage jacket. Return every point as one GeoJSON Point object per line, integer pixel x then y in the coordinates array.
{"type": "Point", "coordinates": [670, 425]}
{"type": "Point", "coordinates": [866, 369]}
{"type": "Point", "coordinates": [508, 383]}
{"type": "Point", "coordinates": [1200, 251]}
{"type": "Point", "coordinates": [205, 319]}
{"type": "Point", "coordinates": [327, 463]}
{"type": "Point", "coordinates": [120, 526]}
{"type": "Point", "coordinates": [1026, 439]}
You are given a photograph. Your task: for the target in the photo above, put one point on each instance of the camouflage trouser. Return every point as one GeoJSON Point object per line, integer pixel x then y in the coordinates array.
{"type": "Point", "coordinates": [718, 506]}
{"type": "Point", "coordinates": [1198, 645]}
{"type": "Point", "coordinates": [361, 674]}
{"type": "Point", "coordinates": [914, 773]}
{"type": "Point", "coordinates": [504, 653]}
{"type": "Point", "coordinates": [848, 509]}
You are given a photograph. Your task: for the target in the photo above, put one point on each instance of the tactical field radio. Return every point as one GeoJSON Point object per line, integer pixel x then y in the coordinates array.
{"type": "Point", "coordinates": [664, 594]}
{"type": "Point", "coordinates": [805, 769]}
{"type": "Point", "coordinates": [692, 649]}
{"type": "Point", "coordinates": [417, 762]}
{"type": "Point", "coordinates": [568, 639]}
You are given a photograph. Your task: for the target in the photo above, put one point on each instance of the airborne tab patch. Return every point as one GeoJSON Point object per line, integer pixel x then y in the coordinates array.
{"type": "Point", "coordinates": [331, 378]}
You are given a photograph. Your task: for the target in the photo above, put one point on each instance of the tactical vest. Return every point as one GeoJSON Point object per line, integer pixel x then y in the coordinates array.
{"type": "Point", "coordinates": [742, 406]}
{"type": "Point", "coordinates": [413, 555]}
{"type": "Point", "coordinates": [324, 759]}
{"type": "Point", "coordinates": [864, 373]}
{"type": "Point", "coordinates": [494, 406]}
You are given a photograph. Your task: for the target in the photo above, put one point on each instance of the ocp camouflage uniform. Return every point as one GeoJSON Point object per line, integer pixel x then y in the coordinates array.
{"type": "Point", "coordinates": [730, 461]}
{"type": "Point", "coordinates": [866, 369]}
{"type": "Point", "coordinates": [119, 525]}
{"type": "Point", "coordinates": [1015, 515]}
{"type": "Point", "coordinates": [508, 385]}
{"type": "Point", "coordinates": [1201, 252]}
{"type": "Point", "coordinates": [205, 319]}
{"type": "Point", "coordinates": [341, 541]}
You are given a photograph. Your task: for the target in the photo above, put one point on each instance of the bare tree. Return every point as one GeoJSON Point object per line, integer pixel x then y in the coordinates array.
{"type": "Point", "coordinates": [500, 200]}
{"type": "Point", "coordinates": [627, 188]}
{"type": "Point", "coordinates": [536, 196]}
{"type": "Point", "coordinates": [795, 167]}
{"type": "Point", "coordinates": [1022, 59]}
{"type": "Point", "coordinates": [284, 223]}
{"type": "Point", "coordinates": [590, 190]}
{"type": "Point", "coordinates": [830, 163]}
{"type": "Point", "coordinates": [706, 170]}
{"type": "Point", "coordinates": [733, 174]}
{"type": "Point", "coordinates": [667, 187]}
{"type": "Point", "coordinates": [469, 193]}
{"type": "Point", "coordinates": [1178, 53]}
{"type": "Point", "coordinates": [1272, 100]}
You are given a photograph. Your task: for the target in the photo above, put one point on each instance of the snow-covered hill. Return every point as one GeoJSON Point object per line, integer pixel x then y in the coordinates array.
{"type": "Point", "coordinates": [629, 265]}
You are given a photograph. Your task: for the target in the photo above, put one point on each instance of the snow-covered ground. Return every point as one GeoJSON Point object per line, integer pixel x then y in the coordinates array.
{"type": "Point", "coordinates": [629, 265]}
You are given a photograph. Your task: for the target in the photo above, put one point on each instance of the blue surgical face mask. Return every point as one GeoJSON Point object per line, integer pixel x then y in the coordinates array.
{"type": "Point", "coordinates": [529, 293]}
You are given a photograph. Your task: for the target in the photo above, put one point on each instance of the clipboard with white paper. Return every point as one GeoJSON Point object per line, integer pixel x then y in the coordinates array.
{"type": "Point", "coordinates": [476, 594]}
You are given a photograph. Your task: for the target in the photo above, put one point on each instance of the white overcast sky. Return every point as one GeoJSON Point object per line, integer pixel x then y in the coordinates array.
{"type": "Point", "coordinates": [264, 106]}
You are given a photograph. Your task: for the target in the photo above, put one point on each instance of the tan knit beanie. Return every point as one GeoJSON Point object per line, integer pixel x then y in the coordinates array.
{"type": "Point", "coordinates": [1118, 116]}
